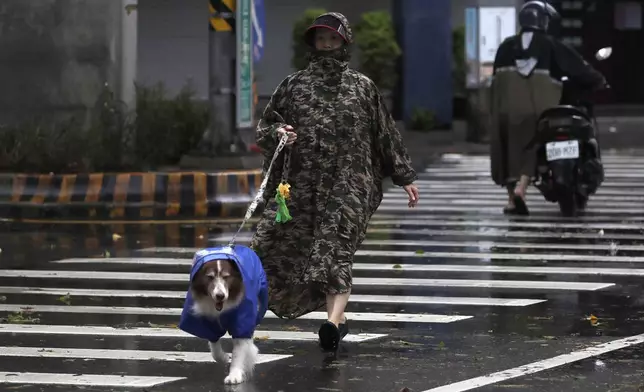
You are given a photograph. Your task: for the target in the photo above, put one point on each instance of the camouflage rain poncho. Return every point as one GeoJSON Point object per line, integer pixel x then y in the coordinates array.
{"type": "Point", "coordinates": [347, 142]}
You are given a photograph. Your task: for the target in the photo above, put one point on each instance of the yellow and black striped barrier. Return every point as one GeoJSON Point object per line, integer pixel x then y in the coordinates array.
{"type": "Point", "coordinates": [222, 15]}
{"type": "Point", "coordinates": [128, 196]}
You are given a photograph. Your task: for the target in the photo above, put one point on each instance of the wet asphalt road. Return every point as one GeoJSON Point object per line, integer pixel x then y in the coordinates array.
{"type": "Point", "coordinates": [444, 296]}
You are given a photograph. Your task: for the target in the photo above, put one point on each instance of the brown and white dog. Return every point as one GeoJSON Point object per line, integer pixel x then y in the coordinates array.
{"type": "Point", "coordinates": [218, 288]}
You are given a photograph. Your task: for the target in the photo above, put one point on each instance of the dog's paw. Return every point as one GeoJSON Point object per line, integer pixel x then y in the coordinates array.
{"type": "Point", "coordinates": [236, 376]}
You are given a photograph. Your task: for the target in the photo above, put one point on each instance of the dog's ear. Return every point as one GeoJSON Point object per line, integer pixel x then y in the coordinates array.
{"type": "Point", "coordinates": [236, 281]}
{"type": "Point", "coordinates": [235, 269]}
{"type": "Point", "coordinates": [199, 285]}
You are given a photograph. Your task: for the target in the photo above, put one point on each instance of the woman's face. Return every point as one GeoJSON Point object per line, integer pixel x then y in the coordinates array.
{"type": "Point", "coordinates": [326, 39]}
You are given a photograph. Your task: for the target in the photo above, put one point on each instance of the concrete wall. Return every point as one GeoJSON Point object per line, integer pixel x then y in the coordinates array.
{"type": "Point", "coordinates": [56, 55]}
{"type": "Point", "coordinates": [426, 42]}
{"type": "Point", "coordinates": [458, 7]}
{"type": "Point", "coordinates": [173, 44]}
{"type": "Point", "coordinates": [173, 39]}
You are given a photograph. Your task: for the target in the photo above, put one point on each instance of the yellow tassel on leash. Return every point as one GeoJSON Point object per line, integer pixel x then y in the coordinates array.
{"type": "Point", "coordinates": [283, 194]}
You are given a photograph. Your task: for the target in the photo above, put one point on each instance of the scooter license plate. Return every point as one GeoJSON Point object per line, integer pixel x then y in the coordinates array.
{"type": "Point", "coordinates": [562, 150]}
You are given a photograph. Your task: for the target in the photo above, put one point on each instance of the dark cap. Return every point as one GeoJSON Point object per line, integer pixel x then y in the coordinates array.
{"type": "Point", "coordinates": [326, 22]}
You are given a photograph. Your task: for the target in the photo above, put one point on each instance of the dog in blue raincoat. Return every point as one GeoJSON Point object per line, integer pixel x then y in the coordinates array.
{"type": "Point", "coordinates": [228, 292]}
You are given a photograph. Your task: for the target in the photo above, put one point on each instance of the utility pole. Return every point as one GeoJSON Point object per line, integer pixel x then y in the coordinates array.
{"type": "Point", "coordinates": [231, 99]}
{"type": "Point", "coordinates": [221, 71]}
{"type": "Point", "coordinates": [230, 74]}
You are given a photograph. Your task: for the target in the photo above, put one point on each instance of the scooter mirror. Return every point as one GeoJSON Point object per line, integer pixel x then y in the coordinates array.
{"type": "Point", "coordinates": [603, 53]}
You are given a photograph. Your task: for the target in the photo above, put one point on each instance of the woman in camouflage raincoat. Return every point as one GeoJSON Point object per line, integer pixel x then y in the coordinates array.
{"type": "Point", "coordinates": [343, 143]}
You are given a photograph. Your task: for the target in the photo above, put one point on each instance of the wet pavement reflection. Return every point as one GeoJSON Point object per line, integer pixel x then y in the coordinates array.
{"type": "Point", "coordinates": [442, 295]}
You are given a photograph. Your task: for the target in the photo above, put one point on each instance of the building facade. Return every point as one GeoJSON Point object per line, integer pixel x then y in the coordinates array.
{"type": "Point", "coordinates": [593, 24]}
{"type": "Point", "coordinates": [150, 41]}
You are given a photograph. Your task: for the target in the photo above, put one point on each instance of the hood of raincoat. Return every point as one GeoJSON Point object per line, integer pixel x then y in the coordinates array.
{"type": "Point", "coordinates": [330, 61]}
{"type": "Point", "coordinates": [241, 321]}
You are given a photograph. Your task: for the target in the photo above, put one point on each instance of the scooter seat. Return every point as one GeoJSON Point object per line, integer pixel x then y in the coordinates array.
{"type": "Point", "coordinates": [564, 111]}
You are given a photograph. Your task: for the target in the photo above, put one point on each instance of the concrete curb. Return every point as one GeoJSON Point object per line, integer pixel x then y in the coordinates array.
{"type": "Point", "coordinates": [127, 196]}
{"type": "Point", "coordinates": [167, 196]}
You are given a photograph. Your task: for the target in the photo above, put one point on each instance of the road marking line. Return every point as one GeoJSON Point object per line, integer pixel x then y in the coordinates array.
{"type": "Point", "coordinates": [452, 255]}
{"type": "Point", "coordinates": [474, 169]}
{"type": "Point", "coordinates": [465, 301]}
{"type": "Point", "coordinates": [540, 366]}
{"type": "Point", "coordinates": [388, 207]}
{"type": "Point", "coordinates": [613, 174]}
{"type": "Point", "coordinates": [96, 380]}
{"type": "Point", "coordinates": [501, 233]}
{"type": "Point", "coordinates": [496, 233]}
{"type": "Point", "coordinates": [501, 198]}
{"type": "Point", "coordinates": [447, 187]}
{"type": "Point", "coordinates": [501, 269]}
{"type": "Point", "coordinates": [595, 205]}
{"type": "Point", "coordinates": [607, 158]}
{"type": "Point", "coordinates": [354, 316]}
{"type": "Point", "coordinates": [488, 184]}
{"type": "Point", "coordinates": [355, 298]}
{"type": "Point", "coordinates": [122, 355]}
{"type": "Point", "coordinates": [395, 268]}
{"type": "Point", "coordinates": [489, 284]}
{"type": "Point", "coordinates": [481, 245]}
{"type": "Point", "coordinates": [502, 256]}
{"type": "Point", "coordinates": [358, 281]}
{"type": "Point", "coordinates": [506, 224]}
{"type": "Point", "coordinates": [164, 332]}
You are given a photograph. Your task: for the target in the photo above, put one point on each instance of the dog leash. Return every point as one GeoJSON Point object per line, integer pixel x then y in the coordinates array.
{"type": "Point", "coordinates": [262, 187]}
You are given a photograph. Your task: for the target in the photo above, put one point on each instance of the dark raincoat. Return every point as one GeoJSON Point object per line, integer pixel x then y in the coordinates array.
{"type": "Point", "coordinates": [527, 81]}
{"type": "Point", "coordinates": [240, 322]}
{"type": "Point", "coordinates": [347, 143]}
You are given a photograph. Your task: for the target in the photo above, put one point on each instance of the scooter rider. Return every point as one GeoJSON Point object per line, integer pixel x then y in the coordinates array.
{"type": "Point", "coordinates": [528, 70]}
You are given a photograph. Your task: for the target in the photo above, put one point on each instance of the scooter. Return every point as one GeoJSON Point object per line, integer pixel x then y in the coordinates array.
{"type": "Point", "coordinates": [569, 167]}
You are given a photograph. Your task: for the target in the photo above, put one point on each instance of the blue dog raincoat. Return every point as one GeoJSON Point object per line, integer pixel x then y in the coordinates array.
{"type": "Point", "coordinates": [240, 322]}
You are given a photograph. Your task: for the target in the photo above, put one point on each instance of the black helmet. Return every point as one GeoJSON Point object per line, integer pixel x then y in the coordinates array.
{"type": "Point", "coordinates": [537, 15]}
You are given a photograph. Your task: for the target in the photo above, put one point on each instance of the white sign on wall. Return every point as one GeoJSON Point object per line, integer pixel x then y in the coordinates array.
{"type": "Point", "coordinates": [495, 25]}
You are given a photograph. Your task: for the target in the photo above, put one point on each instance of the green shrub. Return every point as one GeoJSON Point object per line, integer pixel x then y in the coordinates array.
{"type": "Point", "coordinates": [110, 134]}
{"type": "Point", "coordinates": [114, 139]}
{"type": "Point", "coordinates": [43, 147]}
{"type": "Point", "coordinates": [459, 66]}
{"type": "Point", "coordinates": [68, 146]}
{"type": "Point", "coordinates": [379, 51]}
{"type": "Point", "coordinates": [299, 61]}
{"type": "Point", "coordinates": [422, 120]}
{"type": "Point", "coordinates": [167, 128]}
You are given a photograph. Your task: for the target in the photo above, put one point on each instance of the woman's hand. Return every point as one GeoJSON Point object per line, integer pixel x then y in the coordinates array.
{"type": "Point", "coordinates": [412, 192]}
{"type": "Point", "coordinates": [287, 130]}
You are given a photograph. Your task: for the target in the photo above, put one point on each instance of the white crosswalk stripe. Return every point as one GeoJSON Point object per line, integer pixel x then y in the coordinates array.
{"type": "Point", "coordinates": [445, 262]}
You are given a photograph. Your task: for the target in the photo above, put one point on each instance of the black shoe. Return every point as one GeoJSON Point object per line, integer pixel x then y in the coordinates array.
{"type": "Point", "coordinates": [344, 328]}
{"type": "Point", "coordinates": [329, 336]}
{"type": "Point", "coordinates": [520, 207]}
